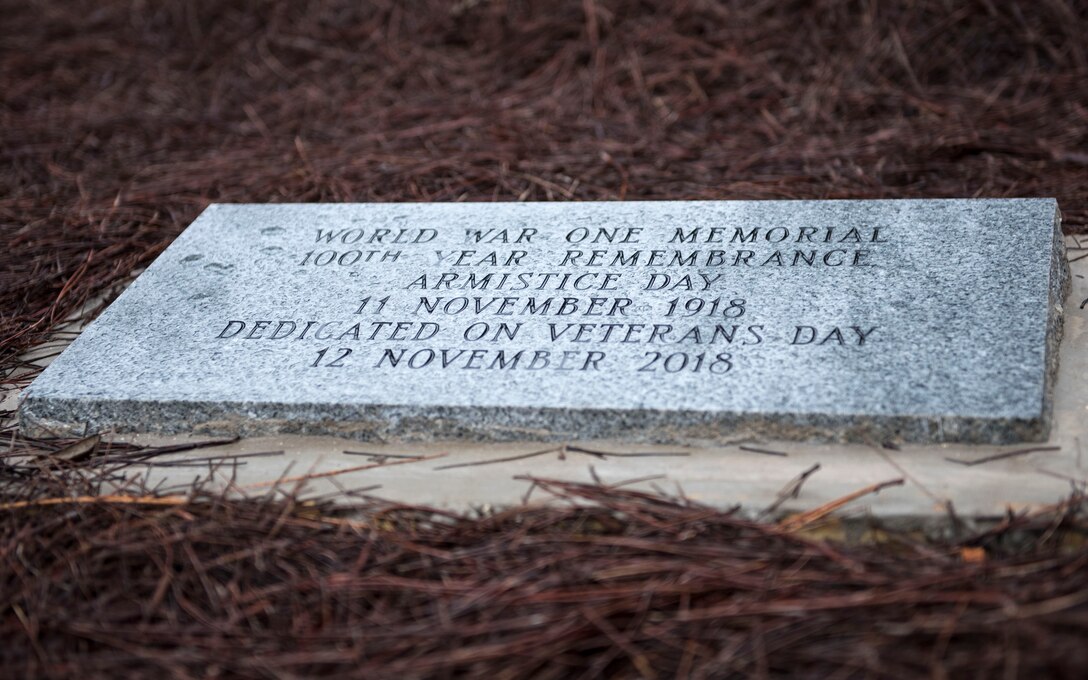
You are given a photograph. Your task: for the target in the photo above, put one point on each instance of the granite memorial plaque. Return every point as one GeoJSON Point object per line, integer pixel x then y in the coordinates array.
{"type": "Point", "coordinates": [901, 320]}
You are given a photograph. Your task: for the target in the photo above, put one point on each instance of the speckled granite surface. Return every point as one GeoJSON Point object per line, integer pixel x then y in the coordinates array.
{"type": "Point", "coordinates": [688, 322]}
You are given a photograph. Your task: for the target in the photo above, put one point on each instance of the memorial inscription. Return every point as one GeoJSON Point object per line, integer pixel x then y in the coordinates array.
{"type": "Point", "coordinates": [928, 320]}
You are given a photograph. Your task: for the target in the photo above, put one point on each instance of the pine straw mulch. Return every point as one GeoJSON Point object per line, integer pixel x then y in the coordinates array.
{"type": "Point", "coordinates": [100, 581]}
{"type": "Point", "coordinates": [120, 121]}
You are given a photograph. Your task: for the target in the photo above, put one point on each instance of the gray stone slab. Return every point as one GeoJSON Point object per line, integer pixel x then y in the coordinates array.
{"type": "Point", "coordinates": [687, 322]}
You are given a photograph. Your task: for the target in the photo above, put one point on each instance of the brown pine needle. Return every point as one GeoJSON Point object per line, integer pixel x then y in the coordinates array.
{"type": "Point", "coordinates": [334, 473]}
{"type": "Point", "coordinates": [765, 452]}
{"type": "Point", "coordinates": [1003, 455]}
{"type": "Point", "coordinates": [803, 519]}
{"type": "Point", "coordinates": [792, 489]}
{"type": "Point", "coordinates": [91, 500]}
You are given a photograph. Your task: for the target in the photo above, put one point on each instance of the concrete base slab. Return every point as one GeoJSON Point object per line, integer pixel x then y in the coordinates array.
{"type": "Point", "coordinates": [461, 476]}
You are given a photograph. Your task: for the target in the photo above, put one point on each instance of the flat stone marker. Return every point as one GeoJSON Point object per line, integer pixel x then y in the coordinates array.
{"type": "Point", "coordinates": [683, 322]}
